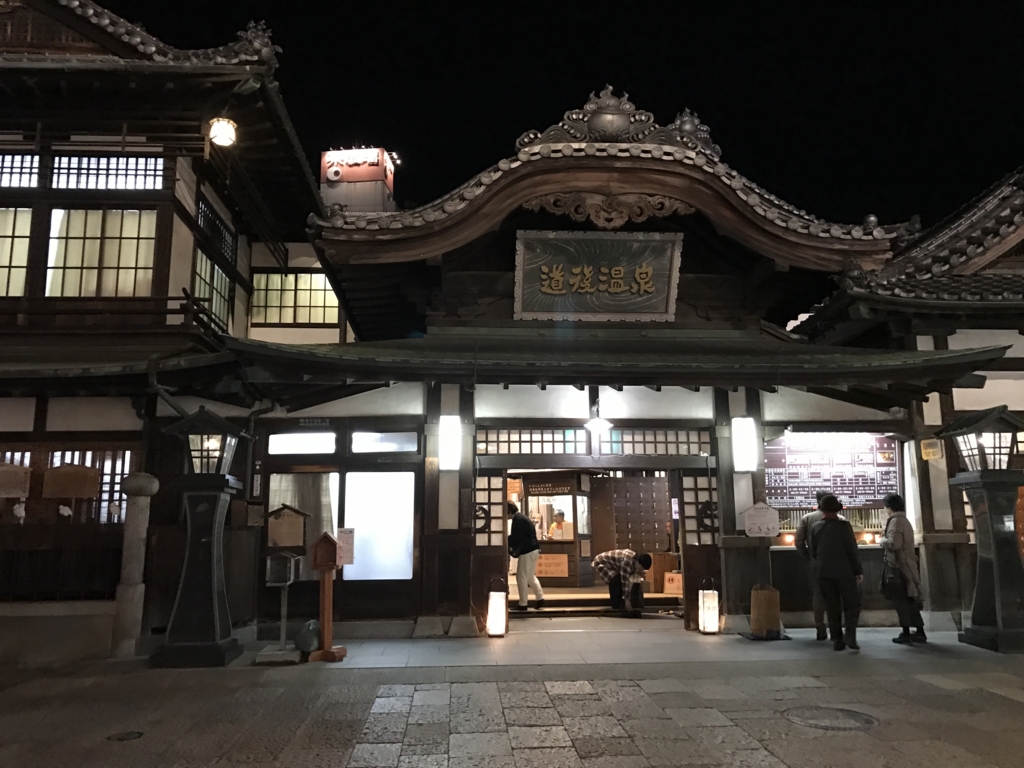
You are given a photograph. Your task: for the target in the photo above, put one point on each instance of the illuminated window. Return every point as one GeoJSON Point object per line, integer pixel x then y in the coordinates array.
{"type": "Point", "coordinates": [222, 238]}
{"type": "Point", "coordinates": [380, 506]}
{"type": "Point", "coordinates": [17, 458]}
{"type": "Point", "coordinates": [384, 442]}
{"type": "Point", "coordinates": [306, 298]}
{"type": "Point", "coordinates": [114, 465]}
{"type": "Point", "coordinates": [19, 170]}
{"type": "Point", "coordinates": [108, 173]}
{"type": "Point", "coordinates": [655, 442]}
{"type": "Point", "coordinates": [698, 494]}
{"type": "Point", "coordinates": [530, 441]}
{"type": "Point", "coordinates": [212, 287]}
{"type": "Point", "coordinates": [490, 511]}
{"type": "Point", "coordinates": [101, 253]}
{"type": "Point", "coordinates": [284, 443]}
{"type": "Point", "coordinates": [15, 224]}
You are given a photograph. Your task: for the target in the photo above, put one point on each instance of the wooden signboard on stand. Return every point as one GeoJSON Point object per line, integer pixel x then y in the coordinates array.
{"type": "Point", "coordinates": [327, 558]}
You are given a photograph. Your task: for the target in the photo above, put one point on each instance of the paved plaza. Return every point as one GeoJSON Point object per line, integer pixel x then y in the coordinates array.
{"type": "Point", "coordinates": [583, 693]}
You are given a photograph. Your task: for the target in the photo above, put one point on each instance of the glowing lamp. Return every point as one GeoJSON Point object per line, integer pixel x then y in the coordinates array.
{"type": "Point", "coordinates": [449, 450]}
{"type": "Point", "coordinates": [223, 132]}
{"type": "Point", "coordinates": [987, 440]}
{"type": "Point", "coordinates": [744, 444]}
{"type": "Point", "coordinates": [707, 601]}
{"type": "Point", "coordinates": [497, 608]}
{"type": "Point", "coordinates": [598, 426]}
{"type": "Point", "coordinates": [211, 442]}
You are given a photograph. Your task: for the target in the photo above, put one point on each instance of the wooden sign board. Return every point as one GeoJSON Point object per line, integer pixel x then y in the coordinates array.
{"type": "Point", "coordinates": [286, 528]}
{"type": "Point", "coordinates": [326, 553]}
{"type": "Point", "coordinates": [556, 488]}
{"type": "Point", "coordinates": [932, 449]}
{"type": "Point", "coordinates": [515, 486]}
{"type": "Point", "coordinates": [673, 584]}
{"type": "Point", "coordinates": [71, 481]}
{"type": "Point", "coordinates": [14, 481]}
{"type": "Point", "coordinates": [553, 566]}
{"type": "Point", "coordinates": [761, 520]}
{"type": "Point", "coordinates": [346, 546]}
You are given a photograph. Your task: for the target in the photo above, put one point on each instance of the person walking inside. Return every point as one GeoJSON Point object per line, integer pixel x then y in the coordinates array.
{"type": "Point", "coordinates": [623, 571]}
{"type": "Point", "coordinates": [817, 600]}
{"type": "Point", "coordinates": [901, 582]}
{"type": "Point", "coordinates": [834, 555]}
{"type": "Point", "coordinates": [522, 545]}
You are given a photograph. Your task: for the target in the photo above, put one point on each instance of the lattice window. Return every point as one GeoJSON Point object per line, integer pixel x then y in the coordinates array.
{"type": "Point", "coordinates": [694, 519]}
{"type": "Point", "coordinates": [209, 282]}
{"type": "Point", "coordinates": [108, 173]}
{"type": "Point", "coordinates": [490, 511]}
{"type": "Point", "coordinates": [15, 226]}
{"type": "Point", "coordinates": [19, 170]}
{"type": "Point", "coordinates": [17, 458]}
{"type": "Point", "coordinates": [114, 465]}
{"type": "Point", "coordinates": [532, 441]}
{"type": "Point", "coordinates": [655, 442]}
{"type": "Point", "coordinates": [221, 235]}
{"type": "Point", "coordinates": [295, 299]}
{"type": "Point", "coordinates": [101, 253]}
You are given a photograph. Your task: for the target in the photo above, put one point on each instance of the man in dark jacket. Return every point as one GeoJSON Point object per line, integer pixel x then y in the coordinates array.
{"type": "Point", "coordinates": [817, 599]}
{"type": "Point", "coordinates": [522, 545]}
{"type": "Point", "coordinates": [836, 561]}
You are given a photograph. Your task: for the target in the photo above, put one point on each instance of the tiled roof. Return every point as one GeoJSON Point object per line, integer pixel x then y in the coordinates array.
{"type": "Point", "coordinates": [252, 47]}
{"type": "Point", "coordinates": [982, 287]}
{"type": "Point", "coordinates": [611, 127]}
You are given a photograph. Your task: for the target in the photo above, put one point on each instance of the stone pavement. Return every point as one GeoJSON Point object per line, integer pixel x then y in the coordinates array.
{"type": "Point", "coordinates": [735, 703]}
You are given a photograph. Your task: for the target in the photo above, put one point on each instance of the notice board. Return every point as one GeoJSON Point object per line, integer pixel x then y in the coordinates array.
{"type": "Point", "coordinates": [860, 468]}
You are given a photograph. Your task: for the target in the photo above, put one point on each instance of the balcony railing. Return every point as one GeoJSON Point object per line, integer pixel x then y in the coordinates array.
{"type": "Point", "coordinates": [128, 313]}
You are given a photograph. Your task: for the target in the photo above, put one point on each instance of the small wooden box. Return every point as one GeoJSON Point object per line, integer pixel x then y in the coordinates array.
{"type": "Point", "coordinates": [674, 584]}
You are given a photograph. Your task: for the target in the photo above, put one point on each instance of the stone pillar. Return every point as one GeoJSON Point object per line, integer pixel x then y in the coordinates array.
{"type": "Point", "coordinates": [140, 488]}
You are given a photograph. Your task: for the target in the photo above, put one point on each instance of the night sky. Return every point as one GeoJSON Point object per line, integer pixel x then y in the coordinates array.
{"type": "Point", "coordinates": [891, 108]}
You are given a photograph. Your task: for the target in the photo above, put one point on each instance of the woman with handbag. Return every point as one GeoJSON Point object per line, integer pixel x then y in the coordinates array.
{"type": "Point", "coordinates": [900, 580]}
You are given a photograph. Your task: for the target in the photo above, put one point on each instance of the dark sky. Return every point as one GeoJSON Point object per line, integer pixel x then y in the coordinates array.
{"type": "Point", "coordinates": [844, 109]}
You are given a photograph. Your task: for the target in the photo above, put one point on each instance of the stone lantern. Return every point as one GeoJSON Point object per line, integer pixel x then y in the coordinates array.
{"type": "Point", "coordinates": [989, 443]}
{"type": "Point", "coordinates": [199, 632]}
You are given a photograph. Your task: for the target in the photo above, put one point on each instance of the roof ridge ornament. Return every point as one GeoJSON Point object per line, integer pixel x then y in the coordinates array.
{"type": "Point", "coordinates": [610, 118]}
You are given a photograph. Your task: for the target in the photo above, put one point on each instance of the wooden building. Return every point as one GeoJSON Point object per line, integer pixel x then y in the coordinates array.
{"type": "Point", "coordinates": [405, 372]}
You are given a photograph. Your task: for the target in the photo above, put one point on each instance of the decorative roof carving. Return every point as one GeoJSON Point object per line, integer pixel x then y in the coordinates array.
{"type": "Point", "coordinates": [608, 117]}
{"type": "Point", "coordinates": [252, 47]}
{"type": "Point", "coordinates": [608, 211]}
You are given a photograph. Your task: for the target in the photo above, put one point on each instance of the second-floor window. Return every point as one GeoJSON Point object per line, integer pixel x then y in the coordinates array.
{"type": "Point", "coordinates": [15, 224]}
{"type": "Point", "coordinates": [96, 252]}
{"type": "Point", "coordinates": [209, 281]}
{"type": "Point", "coordinates": [303, 298]}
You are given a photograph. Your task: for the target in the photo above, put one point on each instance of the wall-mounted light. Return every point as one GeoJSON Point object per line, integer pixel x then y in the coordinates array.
{"type": "Point", "coordinates": [744, 444]}
{"type": "Point", "coordinates": [449, 449]}
{"type": "Point", "coordinates": [223, 132]}
{"type": "Point", "coordinates": [596, 426]}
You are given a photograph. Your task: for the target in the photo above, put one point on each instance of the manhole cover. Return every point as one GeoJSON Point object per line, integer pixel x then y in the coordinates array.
{"type": "Point", "coordinates": [126, 736]}
{"type": "Point", "coordinates": [829, 719]}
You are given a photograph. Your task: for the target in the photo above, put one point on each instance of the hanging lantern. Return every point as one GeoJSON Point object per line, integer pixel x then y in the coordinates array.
{"type": "Point", "coordinates": [223, 132]}
{"type": "Point", "coordinates": [497, 608]}
{"type": "Point", "coordinates": [707, 607]}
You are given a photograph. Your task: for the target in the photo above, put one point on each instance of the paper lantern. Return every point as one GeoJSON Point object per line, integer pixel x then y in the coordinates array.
{"type": "Point", "coordinates": [497, 608]}
{"type": "Point", "coordinates": [707, 607]}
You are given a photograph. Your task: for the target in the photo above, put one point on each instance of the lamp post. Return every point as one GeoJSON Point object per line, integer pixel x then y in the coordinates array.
{"type": "Point", "coordinates": [989, 444]}
{"type": "Point", "coordinates": [199, 632]}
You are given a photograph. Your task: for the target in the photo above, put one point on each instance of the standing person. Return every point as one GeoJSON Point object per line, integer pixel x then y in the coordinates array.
{"type": "Point", "coordinates": [900, 580]}
{"type": "Point", "coordinates": [834, 555]}
{"type": "Point", "coordinates": [817, 599]}
{"type": "Point", "coordinates": [623, 571]}
{"type": "Point", "coordinates": [522, 545]}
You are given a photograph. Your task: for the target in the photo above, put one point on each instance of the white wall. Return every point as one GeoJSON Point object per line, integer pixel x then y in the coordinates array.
{"type": "Point", "coordinates": [643, 403]}
{"type": "Point", "coordinates": [1007, 389]}
{"type": "Point", "coordinates": [296, 335]}
{"type": "Point", "coordinates": [972, 338]}
{"type": "Point", "coordinates": [300, 256]}
{"type": "Point", "coordinates": [91, 414]}
{"type": "Point", "coordinates": [17, 414]}
{"type": "Point", "coordinates": [793, 405]}
{"type": "Point", "coordinates": [522, 401]}
{"type": "Point", "coordinates": [180, 272]}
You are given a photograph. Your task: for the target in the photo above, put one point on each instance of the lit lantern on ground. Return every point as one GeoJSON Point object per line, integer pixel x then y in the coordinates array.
{"type": "Point", "coordinates": [707, 600]}
{"type": "Point", "coordinates": [497, 608]}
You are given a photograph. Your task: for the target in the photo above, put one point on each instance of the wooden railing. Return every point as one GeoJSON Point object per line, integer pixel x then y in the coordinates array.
{"type": "Point", "coordinates": [129, 313]}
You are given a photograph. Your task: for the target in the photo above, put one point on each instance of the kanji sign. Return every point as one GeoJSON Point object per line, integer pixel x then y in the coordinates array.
{"type": "Point", "coordinates": [596, 275]}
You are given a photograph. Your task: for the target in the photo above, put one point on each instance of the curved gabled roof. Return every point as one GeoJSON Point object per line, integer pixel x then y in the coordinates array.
{"type": "Point", "coordinates": [609, 148]}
